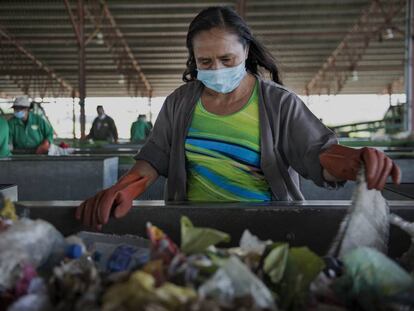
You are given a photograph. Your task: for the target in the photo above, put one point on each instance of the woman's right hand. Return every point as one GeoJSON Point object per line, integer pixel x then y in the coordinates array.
{"type": "Point", "coordinates": [116, 200]}
{"type": "Point", "coordinates": [344, 163]}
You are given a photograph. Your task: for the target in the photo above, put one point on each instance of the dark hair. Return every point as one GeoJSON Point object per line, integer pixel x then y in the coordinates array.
{"type": "Point", "coordinates": [226, 18]}
{"type": "Point", "coordinates": [99, 106]}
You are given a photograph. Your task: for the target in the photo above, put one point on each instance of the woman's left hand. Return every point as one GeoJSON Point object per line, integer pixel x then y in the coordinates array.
{"type": "Point", "coordinates": [344, 163]}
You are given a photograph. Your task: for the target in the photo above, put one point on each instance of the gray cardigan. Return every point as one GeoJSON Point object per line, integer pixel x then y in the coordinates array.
{"type": "Point", "coordinates": [291, 140]}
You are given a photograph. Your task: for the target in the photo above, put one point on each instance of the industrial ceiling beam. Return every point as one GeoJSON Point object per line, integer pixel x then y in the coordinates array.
{"type": "Point", "coordinates": [33, 61]}
{"type": "Point", "coordinates": [352, 48]}
{"type": "Point", "coordinates": [171, 35]}
{"type": "Point", "coordinates": [119, 47]}
{"type": "Point", "coordinates": [73, 21]}
{"type": "Point", "coordinates": [99, 70]}
{"type": "Point", "coordinates": [127, 49]}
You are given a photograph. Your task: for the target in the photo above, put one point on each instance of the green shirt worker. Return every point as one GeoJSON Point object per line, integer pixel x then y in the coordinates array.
{"type": "Point", "coordinates": [140, 129]}
{"type": "Point", "coordinates": [29, 130]}
{"type": "Point", "coordinates": [4, 138]}
{"type": "Point", "coordinates": [231, 135]}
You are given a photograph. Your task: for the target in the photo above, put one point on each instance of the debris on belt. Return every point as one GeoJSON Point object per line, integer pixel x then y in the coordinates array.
{"type": "Point", "coordinates": [41, 270]}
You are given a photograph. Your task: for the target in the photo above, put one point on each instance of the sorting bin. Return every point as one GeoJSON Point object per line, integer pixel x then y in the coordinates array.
{"type": "Point", "coordinates": [58, 178]}
{"type": "Point", "coordinates": [310, 223]}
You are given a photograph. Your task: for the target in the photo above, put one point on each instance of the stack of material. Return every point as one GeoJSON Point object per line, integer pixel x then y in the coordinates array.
{"type": "Point", "coordinates": [41, 270]}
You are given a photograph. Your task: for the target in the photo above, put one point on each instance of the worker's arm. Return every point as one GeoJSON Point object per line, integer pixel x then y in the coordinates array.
{"type": "Point", "coordinates": [11, 134]}
{"type": "Point", "coordinates": [132, 130]}
{"type": "Point", "coordinates": [147, 129]}
{"type": "Point", "coordinates": [43, 147]}
{"type": "Point", "coordinates": [117, 200]}
{"type": "Point", "coordinates": [91, 134]}
{"type": "Point", "coordinates": [143, 169]}
{"type": "Point", "coordinates": [47, 133]}
{"type": "Point", "coordinates": [47, 130]}
{"type": "Point", "coordinates": [114, 130]}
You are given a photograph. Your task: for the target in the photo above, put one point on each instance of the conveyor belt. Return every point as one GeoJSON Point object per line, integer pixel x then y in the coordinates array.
{"type": "Point", "coordinates": [311, 223]}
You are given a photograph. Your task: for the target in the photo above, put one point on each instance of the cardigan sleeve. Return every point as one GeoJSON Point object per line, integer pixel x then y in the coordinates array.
{"type": "Point", "coordinates": [303, 138]}
{"type": "Point", "coordinates": [156, 150]}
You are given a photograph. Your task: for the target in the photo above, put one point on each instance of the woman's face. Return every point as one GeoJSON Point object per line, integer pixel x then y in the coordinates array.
{"type": "Point", "coordinates": [217, 48]}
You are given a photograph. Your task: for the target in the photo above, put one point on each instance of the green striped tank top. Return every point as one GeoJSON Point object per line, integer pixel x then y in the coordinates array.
{"type": "Point", "coordinates": [223, 155]}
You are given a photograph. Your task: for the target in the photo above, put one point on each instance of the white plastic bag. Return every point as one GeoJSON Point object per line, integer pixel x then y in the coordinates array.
{"type": "Point", "coordinates": [235, 280]}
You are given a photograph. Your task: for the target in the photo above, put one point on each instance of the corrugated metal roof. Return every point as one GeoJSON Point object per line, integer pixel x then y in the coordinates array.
{"type": "Point", "coordinates": [302, 35]}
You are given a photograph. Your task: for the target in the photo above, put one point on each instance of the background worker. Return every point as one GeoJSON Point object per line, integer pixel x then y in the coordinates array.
{"type": "Point", "coordinates": [140, 129]}
{"type": "Point", "coordinates": [28, 130]}
{"type": "Point", "coordinates": [230, 135]}
{"type": "Point", "coordinates": [103, 127]}
{"type": "Point", "coordinates": [4, 138]}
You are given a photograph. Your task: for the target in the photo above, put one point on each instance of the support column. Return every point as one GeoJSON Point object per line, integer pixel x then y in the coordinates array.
{"type": "Point", "coordinates": [73, 118]}
{"type": "Point", "coordinates": [82, 80]}
{"type": "Point", "coordinates": [150, 105]}
{"type": "Point", "coordinates": [409, 51]}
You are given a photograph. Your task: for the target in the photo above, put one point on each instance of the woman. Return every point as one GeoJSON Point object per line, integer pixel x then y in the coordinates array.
{"type": "Point", "coordinates": [229, 135]}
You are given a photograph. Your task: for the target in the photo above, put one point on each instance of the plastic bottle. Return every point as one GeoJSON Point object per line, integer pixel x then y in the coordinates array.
{"type": "Point", "coordinates": [113, 253]}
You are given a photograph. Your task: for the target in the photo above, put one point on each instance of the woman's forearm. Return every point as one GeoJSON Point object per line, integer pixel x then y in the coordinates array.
{"type": "Point", "coordinates": [142, 169]}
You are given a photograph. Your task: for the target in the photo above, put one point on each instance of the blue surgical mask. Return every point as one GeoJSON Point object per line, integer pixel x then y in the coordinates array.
{"type": "Point", "coordinates": [223, 80]}
{"type": "Point", "coordinates": [19, 114]}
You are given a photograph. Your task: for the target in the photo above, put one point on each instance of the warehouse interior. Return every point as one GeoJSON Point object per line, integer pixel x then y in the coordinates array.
{"type": "Point", "coordinates": [128, 196]}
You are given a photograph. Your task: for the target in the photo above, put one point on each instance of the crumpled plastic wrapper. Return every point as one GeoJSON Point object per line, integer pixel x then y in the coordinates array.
{"type": "Point", "coordinates": [162, 247]}
{"type": "Point", "coordinates": [37, 298]}
{"type": "Point", "coordinates": [32, 302]}
{"type": "Point", "coordinates": [191, 270]}
{"type": "Point", "coordinates": [235, 281]}
{"type": "Point", "coordinates": [250, 243]}
{"type": "Point", "coordinates": [250, 250]}
{"type": "Point", "coordinates": [75, 285]}
{"type": "Point", "coordinates": [26, 241]}
{"type": "Point", "coordinates": [55, 150]}
{"type": "Point", "coordinates": [7, 209]}
{"type": "Point", "coordinates": [370, 278]}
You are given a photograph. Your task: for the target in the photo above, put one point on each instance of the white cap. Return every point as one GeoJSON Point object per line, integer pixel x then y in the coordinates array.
{"type": "Point", "coordinates": [21, 101]}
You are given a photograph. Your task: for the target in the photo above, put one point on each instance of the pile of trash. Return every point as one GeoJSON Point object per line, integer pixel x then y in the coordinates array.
{"type": "Point", "coordinates": [42, 270]}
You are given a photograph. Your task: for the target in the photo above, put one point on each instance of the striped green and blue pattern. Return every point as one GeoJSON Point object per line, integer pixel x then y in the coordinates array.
{"type": "Point", "coordinates": [223, 155]}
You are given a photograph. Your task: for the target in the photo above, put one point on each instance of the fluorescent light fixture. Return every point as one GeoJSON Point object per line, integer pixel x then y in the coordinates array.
{"type": "Point", "coordinates": [355, 75]}
{"type": "Point", "coordinates": [99, 38]}
{"type": "Point", "coordinates": [121, 79]}
{"type": "Point", "coordinates": [389, 34]}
